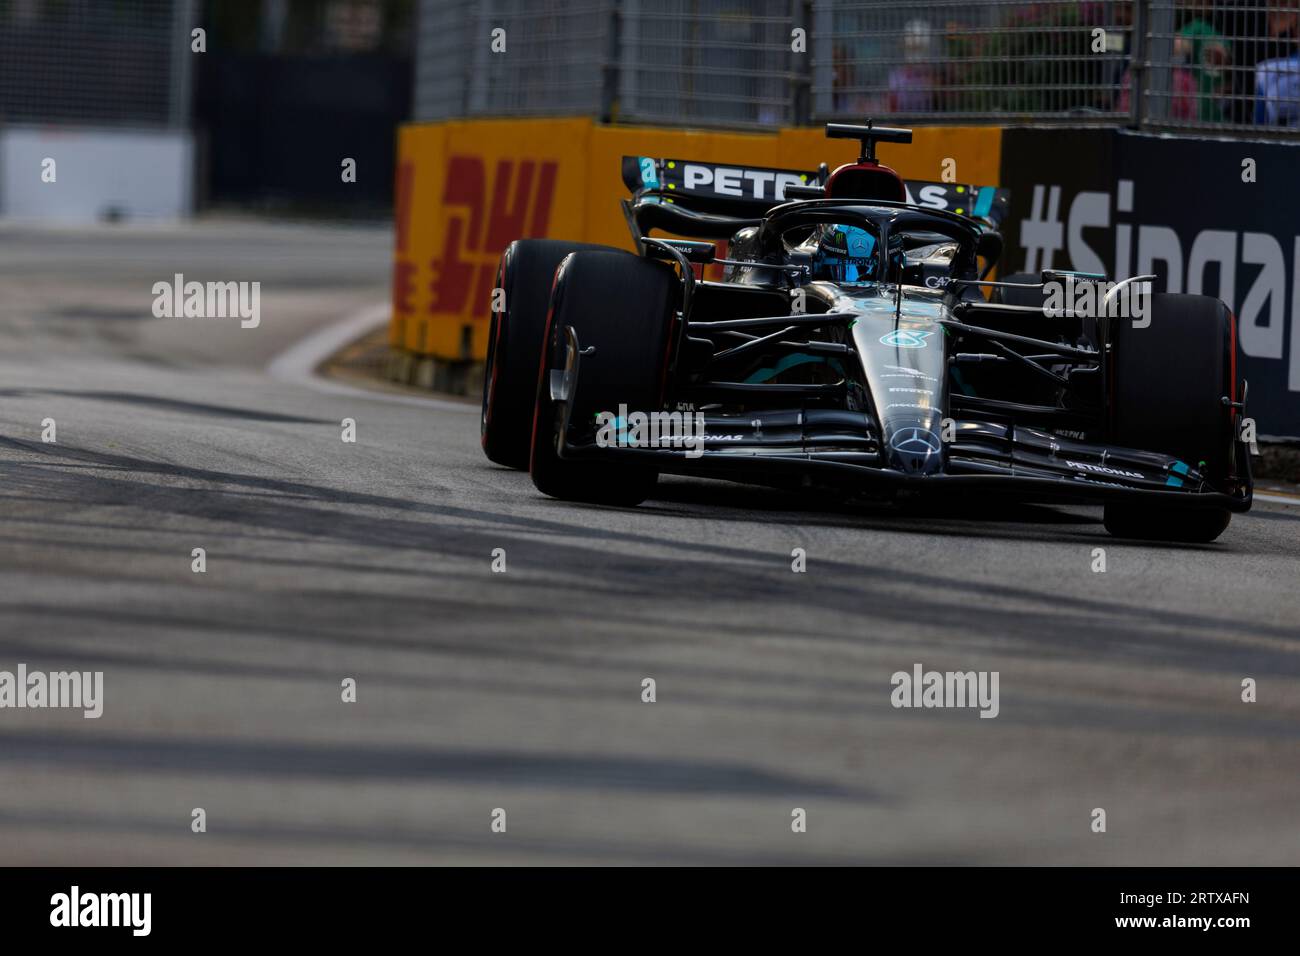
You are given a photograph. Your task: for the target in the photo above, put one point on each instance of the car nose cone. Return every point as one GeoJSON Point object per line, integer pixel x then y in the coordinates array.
{"type": "Point", "coordinates": [916, 450]}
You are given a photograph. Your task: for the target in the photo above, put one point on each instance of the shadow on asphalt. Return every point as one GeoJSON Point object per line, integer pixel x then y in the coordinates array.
{"type": "Point", "coordinates": [567, 568]}
{"type": "Point", "coordinates": [168, 405]}
{"type": "Point", "coordinates": [371, 762]}
{"type": "Point", "coordinates": [266, 840]}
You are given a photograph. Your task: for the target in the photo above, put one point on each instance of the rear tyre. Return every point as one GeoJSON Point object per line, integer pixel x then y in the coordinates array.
{"type": "Point", "coordinates": [526, 272]}
{"type": "Point", "coordinates": [622, 306]}
{"type": "Point", "coordinates": [1169, 382]}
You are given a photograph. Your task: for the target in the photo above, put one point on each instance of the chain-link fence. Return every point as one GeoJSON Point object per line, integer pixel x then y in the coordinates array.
{"type": "Point", "coordinates": [956, 59]}
{"type": "Point", "coordinates": [514, 57]}
{"type": "Point", "coordinates": [706, 61]}
{"type": "Point", "coordinates": [95, 62]}
{"type": "Point", "coordinates": [1228, 64]}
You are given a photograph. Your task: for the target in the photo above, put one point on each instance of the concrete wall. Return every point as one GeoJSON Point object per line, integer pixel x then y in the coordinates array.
{"type": "Point", "coordinates": [98, 174]}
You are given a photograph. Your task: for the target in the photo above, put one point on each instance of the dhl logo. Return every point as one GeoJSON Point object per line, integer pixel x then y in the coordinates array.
{"type": "Point", "coordinates": [480, 218]}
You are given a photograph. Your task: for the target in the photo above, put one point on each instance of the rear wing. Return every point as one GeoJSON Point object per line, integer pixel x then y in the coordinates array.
{"type": "Point", "coordinates": [748, 192]}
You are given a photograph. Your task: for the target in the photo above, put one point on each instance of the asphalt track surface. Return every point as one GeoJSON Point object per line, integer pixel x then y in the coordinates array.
{"type": "Point", "coordinates": [522, 690]}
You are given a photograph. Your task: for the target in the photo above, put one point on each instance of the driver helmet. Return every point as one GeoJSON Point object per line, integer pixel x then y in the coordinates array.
{"type": "Point", "coordinates": [844, 254]}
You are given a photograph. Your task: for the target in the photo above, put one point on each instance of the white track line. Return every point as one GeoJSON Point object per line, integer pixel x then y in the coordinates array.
{"type": "Point", "coordinates": [298, 363]}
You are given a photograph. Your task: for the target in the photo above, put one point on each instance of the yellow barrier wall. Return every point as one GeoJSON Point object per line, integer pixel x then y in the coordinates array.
{"type": "Point", "coordinates": [465, 190]}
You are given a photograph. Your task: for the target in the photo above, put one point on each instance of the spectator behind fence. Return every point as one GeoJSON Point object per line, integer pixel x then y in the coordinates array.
{"type": "Point", "coordinates": [1277, 92]}
{"type": "Point", "coordinates": [1182, 94]}
{"type": "Point", "coordinates": [1277, 84]}
{"type": "Point", "coordinates": [912, 83]}
{"type": "Point", "coordinates": [1196, 73]}
{"type": "Point", "coordinates": [847, 98]}
{"type": "Point", "coordinates": [1117, 22]}
{"type": "Point", "coordinates": [1259, 36]}
{"type": "Point", "coordinates": [1207, 53]}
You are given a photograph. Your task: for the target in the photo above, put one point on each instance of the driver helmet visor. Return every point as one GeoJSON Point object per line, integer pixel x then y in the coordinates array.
{"type": "Point", "coordinates": [845, 254]}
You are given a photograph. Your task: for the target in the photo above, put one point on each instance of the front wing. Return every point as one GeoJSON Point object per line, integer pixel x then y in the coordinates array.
{"type": "Point", "coordinates": [841, 449]}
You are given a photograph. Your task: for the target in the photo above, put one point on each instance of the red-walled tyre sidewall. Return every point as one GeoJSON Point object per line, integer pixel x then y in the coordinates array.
{"type": "Point", "coordinates": [622, 307]}
{"type": "Point", "coordinates": [515, 334]}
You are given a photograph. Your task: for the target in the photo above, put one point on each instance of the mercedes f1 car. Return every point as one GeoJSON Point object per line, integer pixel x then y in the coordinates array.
{"type": "Point", "coordinates": [855, 342]}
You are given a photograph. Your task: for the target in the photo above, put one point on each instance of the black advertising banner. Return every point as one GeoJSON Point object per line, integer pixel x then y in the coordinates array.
{"type": "Point", "coordinates": [1214, 217]}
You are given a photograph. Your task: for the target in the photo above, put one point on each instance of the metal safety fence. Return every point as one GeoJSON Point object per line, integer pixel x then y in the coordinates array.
{"type": "Point", "coordinates": [956, 59]}
{"type": "Point", "coordinates": [1165, 64]}
{"type": "Point", "coordinates": [95, 62]}
{"type": "Point", "coordinates": [706, 61]}
{"type": "Point", "coordinates": [1223, 65]}
{"type": "Point", "coordinates": [536, 57]}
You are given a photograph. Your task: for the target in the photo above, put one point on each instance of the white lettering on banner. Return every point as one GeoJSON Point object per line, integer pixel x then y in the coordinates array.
{"type": "Point", "coordinates": [1208, 267]}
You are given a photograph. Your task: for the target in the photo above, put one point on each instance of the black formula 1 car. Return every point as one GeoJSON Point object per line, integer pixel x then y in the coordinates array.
{"type": "Point", "coordinates": [854, 342]}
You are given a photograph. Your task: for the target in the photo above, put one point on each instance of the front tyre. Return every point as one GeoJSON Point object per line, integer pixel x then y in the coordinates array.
{"type": "Point", "coordinates": [525, 273]}
{"type": "Point", "coordinates": [1170, 379]}
{"type": "Point", "coordinates": [621, 308]}
{"type": "Point", "coordinates": [1187, 526]}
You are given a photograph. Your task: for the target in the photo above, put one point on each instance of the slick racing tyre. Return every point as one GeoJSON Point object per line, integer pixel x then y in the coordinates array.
{"type": "Point", "coordinates": [621, 308]}
{"type": "Point", "coordinates": [525, 273]}
{"type": "Point", "coordinates": [1169, 382]}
